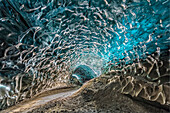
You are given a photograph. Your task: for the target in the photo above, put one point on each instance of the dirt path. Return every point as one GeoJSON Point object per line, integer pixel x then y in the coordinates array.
{"type": "Point", "coordinates": [40, 100]}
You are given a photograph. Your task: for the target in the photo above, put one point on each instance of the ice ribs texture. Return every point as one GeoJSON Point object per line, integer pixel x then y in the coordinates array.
{"type": "Point", "coordinates": [148, 79]}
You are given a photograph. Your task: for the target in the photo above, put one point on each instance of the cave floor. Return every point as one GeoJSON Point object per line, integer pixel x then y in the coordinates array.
{"type": "Point", "coordinates": [95, 96]}
{"type": "Point", "coordinates": [41, 99]}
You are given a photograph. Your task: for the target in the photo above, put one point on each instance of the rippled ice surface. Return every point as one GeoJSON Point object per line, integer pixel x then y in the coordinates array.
{"type": "Point", "coordinates": [43, 41]}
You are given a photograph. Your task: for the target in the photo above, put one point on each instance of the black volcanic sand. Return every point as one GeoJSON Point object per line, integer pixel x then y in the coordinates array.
{"type": "Point", "coordinates": [100, 96]}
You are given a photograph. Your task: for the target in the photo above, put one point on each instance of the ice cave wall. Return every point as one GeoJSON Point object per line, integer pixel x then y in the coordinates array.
{"type": "Point", "coordinates": [43, 41]}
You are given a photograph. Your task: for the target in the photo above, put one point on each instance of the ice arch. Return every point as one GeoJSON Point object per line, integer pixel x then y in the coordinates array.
{"type": "Point", "coordinates": [83, 73]}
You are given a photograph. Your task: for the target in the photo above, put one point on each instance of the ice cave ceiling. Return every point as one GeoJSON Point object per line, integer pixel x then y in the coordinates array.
{"type": "Point", "coordinates": [43, 41]}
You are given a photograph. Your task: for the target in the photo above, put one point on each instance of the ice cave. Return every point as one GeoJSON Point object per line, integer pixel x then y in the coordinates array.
{"type": "Point", "coordinates": [84, 56]}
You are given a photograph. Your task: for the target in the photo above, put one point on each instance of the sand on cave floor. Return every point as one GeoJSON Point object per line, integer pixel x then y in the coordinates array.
{"type": "Point", "coordinates": [95, 96]}
{"type": "Point", "coordinates": [41, 99]}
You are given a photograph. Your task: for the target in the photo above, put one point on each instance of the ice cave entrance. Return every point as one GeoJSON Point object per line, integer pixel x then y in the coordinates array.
{"type": "Point", "coordinates": [82, 73]}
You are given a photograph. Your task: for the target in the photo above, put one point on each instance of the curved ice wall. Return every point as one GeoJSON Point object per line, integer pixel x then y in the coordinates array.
{"type": "Point", "coordinates": [43, 41]}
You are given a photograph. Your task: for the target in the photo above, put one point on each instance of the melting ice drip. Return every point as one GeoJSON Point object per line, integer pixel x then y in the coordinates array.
{"type": "Point", "coordinates": [42, 41]}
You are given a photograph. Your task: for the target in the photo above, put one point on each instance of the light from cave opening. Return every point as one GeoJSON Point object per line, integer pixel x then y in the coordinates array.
{"type": "Point", "coordinates": [82, 74]}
